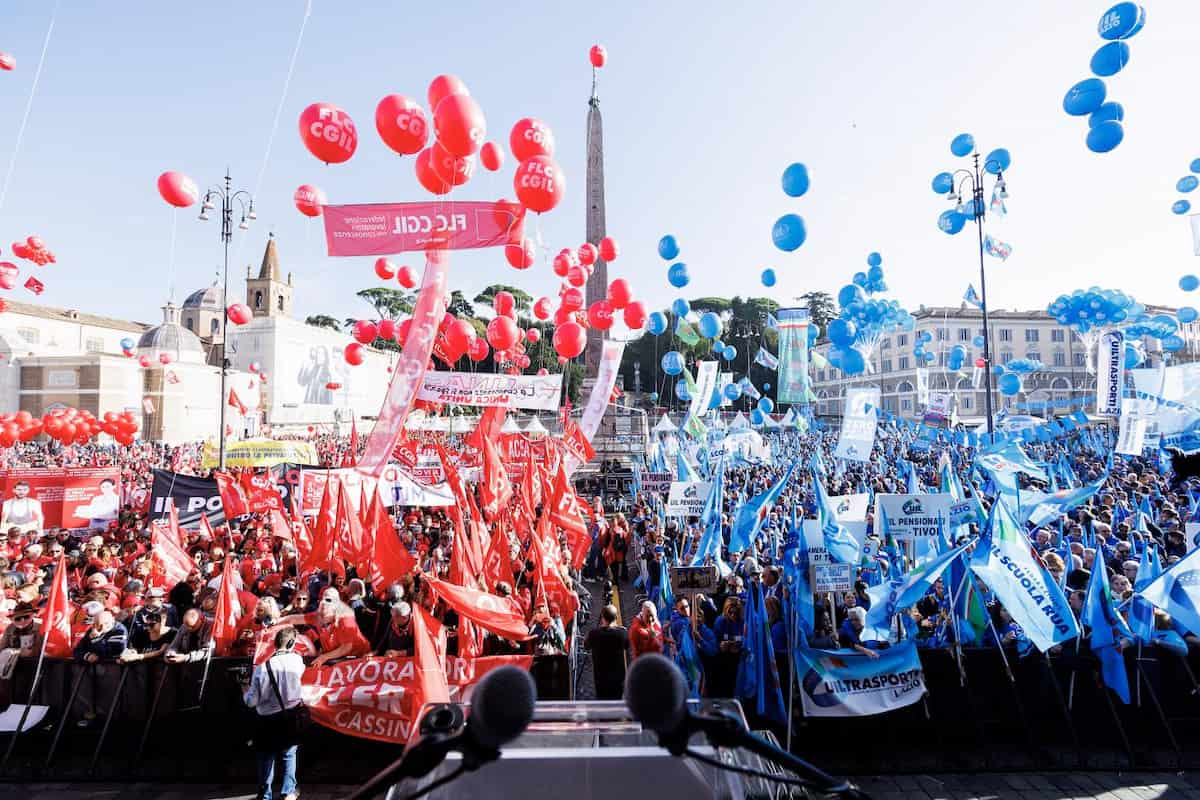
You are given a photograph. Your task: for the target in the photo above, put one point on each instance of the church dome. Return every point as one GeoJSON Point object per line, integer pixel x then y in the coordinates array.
{"type": "Point", "coordinates": [171, 338]}
{"type": "Point", "coordinates": [209, 297]}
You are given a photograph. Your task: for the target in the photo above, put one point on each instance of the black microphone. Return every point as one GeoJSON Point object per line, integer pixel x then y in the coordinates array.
{"type": "Point", "coordinates": [656, 694]}
{"type": "Point", "coordinates": [501, 708]}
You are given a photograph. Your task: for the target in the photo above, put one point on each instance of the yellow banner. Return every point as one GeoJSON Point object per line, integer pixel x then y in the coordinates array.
{"type": "Point", "coordinates": [260, 453]}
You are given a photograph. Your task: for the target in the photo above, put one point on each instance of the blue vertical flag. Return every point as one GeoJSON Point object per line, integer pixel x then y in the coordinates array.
{"type": "Point", "coordinates": [902, 591]}
{"type": "Point", "coordinates": [842, 547]}
{"type": "Point", "coordinates": [752, 513]}
{"type": "Point", "coordinates": [971, 297]}
{"type": "Point", "coordinates": [795, 577]}
{"type": "Point", "coordinates": [664, 599]}
{"type": "Point", "coordinates": [772, 323]}
{"type": "Point", "coordinates": [758, 675]}
{"type": "Point", "coordinates": [683, 468]}
{"type": "Point", "coordinates": [710, 520]}
{"type": "Point", "coordinates": [1053, 505]}
{"type": "Point", "coordinates": [1108, 627]}
{"type": "Point", "coordinates": [1177, 591]}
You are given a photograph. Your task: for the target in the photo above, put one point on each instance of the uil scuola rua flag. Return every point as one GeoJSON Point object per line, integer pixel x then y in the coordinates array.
{"type": "Point", "coordinates": [56, 616]}
{"type": "Point", "coordinates": [1108, 628]}
{"type": "Point", "coordinates": [888, 598]}
{"type": "Point", "coordinates": [500, 615]}
{"type": "Point", "coordinates": [227, 612]}
{"type": "Point", "coordinates": [753, 513]}
{"type": "Point", "coordinates": [847, 683]}
{"type": "Point", "coordinates": [1008, 564]}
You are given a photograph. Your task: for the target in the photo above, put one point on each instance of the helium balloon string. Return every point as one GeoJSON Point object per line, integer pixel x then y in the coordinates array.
{"type": "Point", "coordinates": [37, 75]}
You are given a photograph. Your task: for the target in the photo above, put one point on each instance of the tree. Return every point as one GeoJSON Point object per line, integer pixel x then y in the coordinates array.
{"type": "Point", "coordinates": [821, 308]}
{"type": "Point", "coordinates": [522, 300]}
{"type": "Point", "coordinates": [717, 305]}
{"type": "Point", "coordinates": [459, 306]}
{"type": "Point", "coordinates": [323, 321]}
{"type": "Point", "coordinates": [388, 303]}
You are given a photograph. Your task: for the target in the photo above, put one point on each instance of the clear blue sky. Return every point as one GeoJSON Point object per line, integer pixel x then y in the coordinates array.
{"type": "Point", "coordinates": [704, 105]}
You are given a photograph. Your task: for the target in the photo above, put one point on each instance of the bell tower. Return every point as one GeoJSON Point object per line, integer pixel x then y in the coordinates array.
{"type": "Point", "coordinates": [267, 295]}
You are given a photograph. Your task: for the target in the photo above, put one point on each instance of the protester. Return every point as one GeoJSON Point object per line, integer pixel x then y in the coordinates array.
{"type": "Point", "coordinates": [609, 645]}
{"type": "Point", "coordinates": [273, 692]}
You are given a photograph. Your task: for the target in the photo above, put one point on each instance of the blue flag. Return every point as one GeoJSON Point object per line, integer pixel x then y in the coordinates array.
{"type": "Point", "coordinates": [971, 297]}
{"type": "Point", "coordinates": [1003, 461]}
{"type": "Point", "coordinates": [1177, 591]}
{"type": "Point", "coordinates": [1108, 627]}
{"type": "Point", "coordinates": [758, 676]}
{"type": "Point", "coordinates": [710, 520]}
{"type": "Point", "coordinates": [1050, 506]}
{"type": "Point", "coordinates": [766, 359]}
{"type": "Point", "coordinates": [887, 599]}
{"type": "Point", "coordinates": [842, 547]}
{"type": "Point", "coordinates": [796, 581]}
{"type": "Point", "coordinates": [751, 514]}
{"type": "Point", "coordinates": [683, 468]}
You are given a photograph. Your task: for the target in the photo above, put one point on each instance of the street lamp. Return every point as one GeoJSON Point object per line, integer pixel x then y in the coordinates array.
{"type": "Point", "coordinates": [245, 202]}
{"type": "Point", "coordinates": [970, 181]}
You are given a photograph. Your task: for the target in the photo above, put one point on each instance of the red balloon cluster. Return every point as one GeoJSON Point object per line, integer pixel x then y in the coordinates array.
{"type": "Point", "coordinates": [309, 200]}
{"type": "Point", "coordinates": [239, 313]}
{"type": "Point", "coordinates": [8, 62]}
{"type": "Point", "coordinates": [328, 133]}
{"type": "Point", "coordinates": [66, 425]}
{"type": "Point", "coordinates": [178, 189]}
{"type": "Point", "coordinates": [34, 249]}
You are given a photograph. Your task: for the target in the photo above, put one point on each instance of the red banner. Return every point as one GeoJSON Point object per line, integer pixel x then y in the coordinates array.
{"type": "Point", "coordinates": [372, 697]}
{"type": "Point", "coordinates": [380, 229]}
{"type": "Point", "coordinates": [36, 499]}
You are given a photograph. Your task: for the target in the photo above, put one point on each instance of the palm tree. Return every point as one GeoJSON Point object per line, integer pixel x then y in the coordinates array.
{"type": "Point", "coordinates": [388, 303]}
{"type": "Point", "coordinates": [323, 321]}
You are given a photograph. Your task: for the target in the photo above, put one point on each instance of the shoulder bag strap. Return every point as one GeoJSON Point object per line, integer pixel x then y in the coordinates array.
{"type": "Point", "coordinates": [274, 684]}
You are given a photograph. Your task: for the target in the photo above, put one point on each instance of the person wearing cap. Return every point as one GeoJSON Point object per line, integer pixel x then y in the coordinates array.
{"type": "Point", "coordinates": [22, 634]}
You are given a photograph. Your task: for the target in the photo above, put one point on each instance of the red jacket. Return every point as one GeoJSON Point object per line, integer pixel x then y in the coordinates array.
{"type": "Point", "coordinates": [645, 638]}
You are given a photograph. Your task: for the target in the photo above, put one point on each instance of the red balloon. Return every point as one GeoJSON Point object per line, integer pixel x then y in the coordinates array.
{"type": "Point", "coordinates": [587, 254]}
{"type": "Point", "coordinates": [979, 362]}
{"type": "Point", "coordinates": [478, 349]}
{"type": "Point", "coordinates": [8, 437]}
{"type": "Point", "coordinates": [365, 331]}
{"type": "Point", "coordinates": [239, 313]}
{"type": "Point", "coordinates": [600, 315]}
{"type": "Point", "coordinates": [384, 269]}
{"type": "Point", "coordinates": [164, 358]}
{"type": "Point", "coordinates": [562, 315]}
{"type": "Point", "coordinates": [426, 175]}
{"type": "Point", "coordinates": [619, 293]}
{"type": "Point", "coordinates": [20, 250]}
{"type": "Point", "coordinates": [530, 137]}
{"type": "Point", "coordinates": [8, 274]}
{"type": "Point", "coordinates": [503, 304]}
{"type": "Point", "coordinates": [459, 125]}
{"type": "Point", "coordinates": [262, 376]}
{"type": "Point", "coordinates": [542, 371]}
{"type": "Point", "coordinates": [308, 200]}
{"type": "Point", "coordinates": [401, 124]}
{"type": "Point", "coordinates": [562, 265]}
{"type": "Point", "coordinates": [387, 329]}
{"type": "Point", "coordinates": [459, 335]}
{"type": "Point", "coordinates": [502, 333]}
{"type": "Point", "coordinates": [333, 387]}
{"type": "Point", "coordinates": [520, 256]}
{"type": "Point", "coordinates": [35, 243]}
{"type": "Point", "coordinates": [8, 62]}
{"type": "Point", "coordinates": [328, 133]}
{"type": "Point", "coordinates": [572, 299]}
{"type": "Point", "coordinates": [453, 169]}
{"type": "Point", "coordinates": [144, 361]}
{"type": "Point", "coordinates": [533, 335]}
{"type": "Point", "coordinates": [354, 354]}
{"type": "Point", "coordinates": [539, 183]}
{"type": "Point", "coordinates": [407, 276]}
{"type": "Point", "coordinates": [491, 156]}
{"type": "Point", "coordinates": [608, 249]}
{"type": "Point", "coordinates": [543, 308]}
{"type": "Point", "coordinates": [569, 339]}
{"type": "Point", "coordinates": [635, 315]}
{"type": "Point", "coordinates": [178, 189]}
{"type": "Point", "coordinates": [577, 276]}
{"type": "Point", "coordinates": [402, 332]}
{"type": "Point", "coordinates": [442, 87]}
{"type": "Point", "coordinates": [598, 55]}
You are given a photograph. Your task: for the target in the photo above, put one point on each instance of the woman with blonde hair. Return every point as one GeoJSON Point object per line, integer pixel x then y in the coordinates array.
{"type": "Point", "coordinates": [335, 625]}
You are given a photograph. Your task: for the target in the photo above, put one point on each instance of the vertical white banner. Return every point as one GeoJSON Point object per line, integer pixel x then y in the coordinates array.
{"type": "Point", "coordinates": [1110, 373]}
{"type": "Point", "coordinates": [922, 385]}
{"type": "Point", "coordinates": [858, 425]}
{"type": "Point", "coordinates": [1195, 220]}
{"type": "Point", "coordinates": [706, 384]}
{"type": "Point", "coordinates": [593, 412]}
{"type": "Point", "coordinates": [1132, 437]}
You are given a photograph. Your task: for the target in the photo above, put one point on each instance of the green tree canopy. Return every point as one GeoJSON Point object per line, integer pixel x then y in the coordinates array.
{"type": "Point", "coordinates": [521, 299]}
{"type": "Point", "coordinates": [388, 303]}
{"type": "Point", "coordinates": [323, 321]}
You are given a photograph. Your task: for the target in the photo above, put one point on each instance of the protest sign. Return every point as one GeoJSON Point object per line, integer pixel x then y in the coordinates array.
{"type": "Point", "coordinates": [656, 482]}
{"type": "Point", "coordinates": [192, 497]}
{"type": "Point", "coordinates": [850, 507]}
{"type": "Point", "coordinates": [847, 683]}
{"type": "Point", "coordinates": [1110, 373]}
{"type": "Point", "coordinates": [60, 497]}
{"type": "Point", "coordinates": [686, 498]}
{"type": "Point", "coordinates": [858, 424]}
{"type": "Point", "coordinates": [911, 517]}
{"type": "Point", "coordinates": [532, 392]}
{"type": "Point", "coordinates": [694, 579]}
{"type": "Point", "coordinates": [380, 229]}
{"type": "Point", "coordinates": [832, 578]}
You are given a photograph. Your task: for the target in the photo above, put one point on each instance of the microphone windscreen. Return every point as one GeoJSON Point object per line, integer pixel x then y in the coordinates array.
{"type": "Point", "coordinates": [502, 706]}
{"type": "Point", "coordinates": [656, 693]}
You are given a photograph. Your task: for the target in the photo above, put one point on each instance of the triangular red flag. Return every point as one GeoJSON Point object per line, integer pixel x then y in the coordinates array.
{"type": "Point", "coordinates": [236, 402]}
{"type": "Point", "coordinates": [490, 612]}
{"type": "Point", "coordinates": [227, 612]}
{"type": "Point", "coordinates": [495, 490]}
{"type": "Point", "coordinates": [56, 615]}
{"type": "Point", "coordinates": [497, 563]}
{"type": "Point", "coordinates": [349, 528]}
{"type": "Point", "coordinates": [390, 561]}
{"type": "Point", "coordinates": [324, 541]}
{"type": "Point", "coordinates": [429, 652]}
{"type": "Point", "coordinates": [173, 562]}
{"type": "Point", "coordinates": [490, 423]}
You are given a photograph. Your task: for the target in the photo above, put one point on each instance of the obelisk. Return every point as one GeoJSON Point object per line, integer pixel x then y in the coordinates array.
{"type": "Point", "coordinates": [597, 285]}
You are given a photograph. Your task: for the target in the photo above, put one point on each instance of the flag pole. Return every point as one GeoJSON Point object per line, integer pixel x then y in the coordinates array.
{"type": "Point", "coordinates": [37, 679]}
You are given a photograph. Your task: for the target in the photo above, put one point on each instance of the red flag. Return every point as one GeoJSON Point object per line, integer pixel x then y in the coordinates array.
{"type": "Point", "coordinates": [34, 285]}
{"type": "Point", "coordinates": [452, 477]}
{"type": "Point", "coordinates": [576, 443]}
{"type": "Point", "coordinates": [324, 541]}
{"type": "Point", "coordinates": [280, 526]}
{"type": "Point", "coordinates": [236, 402]}
{"type": "Point", "coordinates": [173, 524]}
{"type": "Point", "coordinates": [233, 496]}
{"type": "Point", "coordinates": [300, 533]}
{"type": "Point", "coordinates": [390, 561]}
{"type": "Point", "coordinates": [490, 423]}
{"type": "Point", "coordinates": [260, 491]}
{"type": "Point", "coordinates": [554, 590]}
{"type": "Point", "coordinates": [500, 615]}
{"type": "Point", "coordinates": [228, 611]}
{"type": "Point", "coordinates": [56, 615]}
{"type": "Point", "coordinates": [366, 521]}
{"type": "Point", "coordinates": [172, 560]}
{"type": "Point", "coordinates": [205, 526]}
{"type": "Point", "coordinates": [565, 512]}
{"type": "Point", "coordinates": [497, 564]}
{"type": "Point", "coordinates": [429, 652]}
{"type": "Point", "coordinates": [348, 527]}
{"type": "Point", "coordinates": [495, 489]}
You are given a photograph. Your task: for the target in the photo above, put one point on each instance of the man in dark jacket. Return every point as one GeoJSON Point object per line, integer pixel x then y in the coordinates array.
{"type": "Point", "coordinates": [609, 646]}
{"type": "Point", "coordinates": [104, 641]}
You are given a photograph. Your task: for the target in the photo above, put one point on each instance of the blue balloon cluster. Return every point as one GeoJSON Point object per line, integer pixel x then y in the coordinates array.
{"type": "Point", "coordinates": [966, 208]}
{"type": "Point", "coordinates": [870, 281]}
{"type": "Point", "coordinates": [789, 231]}
{"type": "Point", "coordinates": [1088, 97]}
{"type": "Point", "coordinates": [1186, 185]}
{"type": "Point", "coordinates": [958, 355]}
{"type": "Point", "coordinates": [1085, 309]}
{"type": "Point", "coordinates": [1024, 366]}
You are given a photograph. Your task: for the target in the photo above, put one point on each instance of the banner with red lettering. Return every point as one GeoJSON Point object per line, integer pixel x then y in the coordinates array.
{"type": "Point", "coordinates": [533, 392]}
{"type": "Point", "coordinates": [60, 497]}
{"type": "Point", "coordinates": [598, 400]}
{"type": "Point", "coordinates": [380, 229]}
{"type": "Point", "coordinates": [372, 697]}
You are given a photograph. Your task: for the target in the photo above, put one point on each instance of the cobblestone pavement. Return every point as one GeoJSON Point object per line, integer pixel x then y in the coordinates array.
{"type": "Point", "coordinates": [987, 786]}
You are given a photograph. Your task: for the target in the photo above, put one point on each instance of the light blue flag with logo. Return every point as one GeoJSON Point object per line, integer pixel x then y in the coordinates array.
{"type": "Point", "coordinates": [887, 599]}
{"type": "Point", "coordinates": [971, 297]}
{"type": "Point", "coordinates": [683, 468]}
{"type": "Point", "coordinates": [796, 580]}
{"type": "Point", "coordinates": [996, 248]}
{"type": "Point", "coordinates": [838, 541]}
{"type": "Point", "coordinates": [752, 513]}
{"type": "Point", "coordinates": [1003, 461]}
{"type": "Point", "coordinates": [749, 389]}
{"type": "Point", "coordinates": [764, 357]}
{"type": "Point", "coordinates": [664, 599]}
{"type": "Point", "coordinates": [1108, 628]}
{"type": "Point", "coordinates": [772, 323]}
{"type": "Point", "coordinates": [1004, 560]}
{"type": "Point", "coordinates": [1141, 612]}
{"type": "Point", "coordinates": [710, 521]}
{"type": "Point", "coordinates": [847, 683]}
{"type": "Point", "coordinates": [1050, 506]}
{"type": "Point", "coordinates": [1177, 591]}
{"type": "Point", "coordinates": [757, 675]}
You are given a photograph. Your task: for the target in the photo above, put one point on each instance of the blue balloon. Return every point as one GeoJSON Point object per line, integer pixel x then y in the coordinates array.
{"type": "Point", "coordinates": [730, 353]}
{"type": "Point", "coordinates": [997, 370]}
{"type": "Point", "coordinates": [1133, 356]}
{"type": "Point", "coordinates": [681, 391]}
{"type": "Point", "coordinates": [977, 341]}
{"type": "Point", "coordinates": [1195, 166]}
{"type": "Point", "coordinates": [768, 277]}
{"type": "Point", "coordinates": [656, 323]}
{"type": "Point", "coordinates": [1085, 97]}
{"type": "Point", "coordinates": [930, 358]}
{"type": "Point", "coordinates": [1121, 21]}
{"type": "Point", "coordinates": [718, 346]}
{"type": "Point", "coordinates": [1173, 343]}
{"type": "Point", "coordinates": [841, 332]}
{"type": "Point", "coordinates": [766, 405]}
{"type": "Point", "coordinates": [672, 362]}
{"type": "Point", "coordinates": [814, 332]}
{"type": "Point", "coordinates": [789, 232]}
{"type": "Point", "coordinates": [1187, 314]}
{"type": "Point", "coordinates": [710, 325]}
{"type": "Point", "coordinates": [766, 387]}
{"type": "Point", "coordinates": [951, 222]}
{"type": "Point", "coordinates": [943, 182]}
{"type": "Point", "coordinates": [757, 417]}
{"type": "Point", "coordinates": [1181, 207]}
{"type": "Point", "coordinates": [1189, 283]}
{"type": "Point", "coordinates": [654, 397]}
{"type": "Point", "coordinates": [680, 307]}
{"type": "Point", "coordinates": [997, 161]}
{"type": "Point", "coordinates": [1110, 111]}
{"type": "Point", "coordinates": [795, 180]}
{"type": "Point", "coordinates": [874, 259]}
{"type": "Point", "coordinates": [127, 344]}
{"type": "Point", "coordinates": [849, 294]}
{"type": "Point", "coordinates": [668, 248]}
{"type": "Point", "coordinates": [1110, 59]}
{"type": "Point", "coordinates": [853, 362]}
{"type": "Point", "coordinates": [1105, 137]}
{"type": "Point", "coordinates": [677, 275]}
{"type": "Point", "coordinates": [859, 279]}
{"type": "Point", "coordinates": [1009, 384]}
{"type": "Point", "coordinates": [875, 274]}
{"type": "Point", "coordinates": [1187, 183]}
{"type": "Point", "coordinates": [962, 145]}
{"type": "Point", "coordinates": [732, 391]}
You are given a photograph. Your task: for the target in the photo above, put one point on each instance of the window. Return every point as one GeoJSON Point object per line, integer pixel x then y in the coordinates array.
{"type": "Point", "coordinates": [1056, 335]}
{"type": "Point", "coordinates": [1005, 357]}
{"type": "Point", "coordinates": [216, 326]}
{"type": "Point", "coordinates": [190, 324]}
{"type": "Point", "coordinates": [258, 299]}
{"type": "Point", "coordinates": [942, 358]}
{"type": "Point", "coordinates": [1060, 358]}
{"type": "Point", "coordinates": [906, 404]}
{"type": "Point", "coordinates": [902, 341]}
{"type": "Point", "coordinates": [279, 303]}
{"type": "Point", "coordinates": [903, 362]}
{"type": "Point", "coordinates": [964, 334]}
{"type": "Point", "coordinates": [887, 365]}
{"type": "Point", "coordinates": [1079, 359]}
{"type": "Point", "coordinates": [30, 335]}
{"type": "Point", "coordinates": [93, 346]}
{"type": "Point", "coordinates": [943, 334]}
{"type": "Point", "coordinates": [885, 344]}
{"type": "Point", "coordinates": [1034, 354]}
{"type": "Point", "coordinates": [965, 402]}
{"type": "Point", "coordinates": [1006, 334]}
{"type": "Point", "coordinates": [1031, 334]}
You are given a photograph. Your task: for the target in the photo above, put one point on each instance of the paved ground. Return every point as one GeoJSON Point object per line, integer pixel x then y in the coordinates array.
{"type": "Point", "coordinates": [999, 786]}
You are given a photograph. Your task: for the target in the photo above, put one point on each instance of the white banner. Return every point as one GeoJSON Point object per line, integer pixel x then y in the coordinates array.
{"type": "Point", "coordinates": [407, 492]}
{"type": "Point", "coordinates": [923, 385]}
{"type": "Point", "coordinates": [1195, 220]}
{"type": "Point", "coordinates": [913, 516]}
{"type": "Point", "coordinates": [1132, 437]}
{"type": "Point", "coordinates": [858, 425]}
{"type": "Point", "coordinates": [725, 379]}
{"type": "Point", "coordinates": [1110, 373]}
{"type": "Point", "coordinates": [532, 392]}
{"type": "Point", "coordinates": [828, 578]}
{"type": "Point", "coordinates": [976, 377]}
{"type": "Point", "coordinates": [686, 498]}
{"type": "Point", "coordinates": [597, 404]}
{"type": "Point", "coordinates": [850, 507]}
{"type": "Point", "coordinates": [847, 683]}
{"type": "Point", "coordinates": [939, 407]}
{"type": "Point", "coordinates": [706, 384]}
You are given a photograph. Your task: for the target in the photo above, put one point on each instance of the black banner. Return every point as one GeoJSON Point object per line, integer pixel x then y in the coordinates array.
{"type": "Point", "coordinates": [192, 496]}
